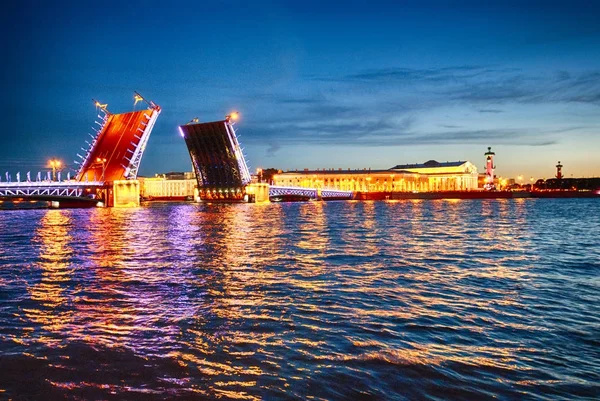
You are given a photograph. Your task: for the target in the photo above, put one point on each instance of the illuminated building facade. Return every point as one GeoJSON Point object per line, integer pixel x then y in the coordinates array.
{"type": "Point", "coordinates": [445, 176]}
{"type": "Point", "coordinates": [179, 186]}
{"type": "Point", "coordinates": [354, 180]}
{"type": "Point", "coordinates": [429, 176]}
{"type": "Point", "coordinates": [221, 171]}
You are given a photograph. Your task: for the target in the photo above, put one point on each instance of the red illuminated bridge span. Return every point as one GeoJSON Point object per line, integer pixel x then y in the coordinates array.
{"type": "Point", "coordinates": [119, 142]}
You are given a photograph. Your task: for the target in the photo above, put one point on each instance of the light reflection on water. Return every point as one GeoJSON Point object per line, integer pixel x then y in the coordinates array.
{"type": "Point", "coordinates": [342, 300]}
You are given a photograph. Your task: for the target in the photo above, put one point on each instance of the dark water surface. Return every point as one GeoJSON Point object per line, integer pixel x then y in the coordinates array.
{"type": "Point", "coordinates": [468, 300]}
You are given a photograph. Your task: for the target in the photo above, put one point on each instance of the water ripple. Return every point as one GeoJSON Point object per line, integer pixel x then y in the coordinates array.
{"type": "Point", "coordinates": [345, 300]}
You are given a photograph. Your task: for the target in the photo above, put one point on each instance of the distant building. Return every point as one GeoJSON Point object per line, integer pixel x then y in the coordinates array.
{"type": "Point", "coordinates": [354, 180]}
{"type": "Point", "coordinates": [429, 176]}
{"type": "Point", "coordinates": [169, 186]}
{"type": "Point", "coordinates": [448, 176]}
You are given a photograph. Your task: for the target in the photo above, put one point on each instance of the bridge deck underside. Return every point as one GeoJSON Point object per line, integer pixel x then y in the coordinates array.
{"type": "Point", "coordinates": [117, 141]}
{"type": "Point", "coordinates": [214, 160]}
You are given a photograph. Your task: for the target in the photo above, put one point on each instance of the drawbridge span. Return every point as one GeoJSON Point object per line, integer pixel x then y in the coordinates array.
{"type": "Point", "coordinates": [116, 149]}
{"type": "Point", "coordinates": [217, 159]}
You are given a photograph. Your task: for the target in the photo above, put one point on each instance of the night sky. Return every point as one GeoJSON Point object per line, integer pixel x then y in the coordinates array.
{"type": "Point", "coordinates": [349, 84]}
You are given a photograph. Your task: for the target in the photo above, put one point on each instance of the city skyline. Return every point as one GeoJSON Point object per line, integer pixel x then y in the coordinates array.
{"type": "Point", "coordinates": [318, 86]}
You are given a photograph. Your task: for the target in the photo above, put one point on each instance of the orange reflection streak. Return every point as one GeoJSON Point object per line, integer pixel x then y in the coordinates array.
{"type": "Point", "coordinates": [53, 239]}
{"type": "Point", "coordinates": [239, 240]}
{"type": "Point", "coordinates": [433, 255]}
{"type": "Point", "coordinates": [363, 231]}
{"type": "Point", "coordinates": [311, 224]}
{"type": "Point", "coordinates": [437, 354]}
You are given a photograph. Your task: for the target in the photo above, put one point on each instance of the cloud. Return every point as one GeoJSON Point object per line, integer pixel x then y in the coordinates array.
{"type": "Point", "coordinates": [292, 100]}
{"type": "Point", "coordinates": [417, 75]}
{"type": "Point", "coordinates": [478, 84]}
{"type": "Point", "coordinates": [522, 88]}
{"type": "Point", "coordinates": [497, 136]}
{"type": "Point", "coordinates": [381, 133]}
{"type": "Point", "coordinates": [272, 149]}
{"type": "Point", "coordinates": [400, 107]}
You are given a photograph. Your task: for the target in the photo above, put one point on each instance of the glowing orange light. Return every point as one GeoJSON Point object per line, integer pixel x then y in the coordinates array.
{"type": "Point", "coordinates": [54, 163]}
{"type": "Point", "coordinates": [234, 116]}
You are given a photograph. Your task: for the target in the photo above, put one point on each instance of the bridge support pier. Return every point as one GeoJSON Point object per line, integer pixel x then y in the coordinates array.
{"type": "Point", "coordinates": [122, 193]}
{"type": "Point", "coordinates": [260, 191]}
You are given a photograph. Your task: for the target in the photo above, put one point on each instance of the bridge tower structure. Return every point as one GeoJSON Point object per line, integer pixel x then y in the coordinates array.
{"type": "Point", "coordinates": [221, 170]}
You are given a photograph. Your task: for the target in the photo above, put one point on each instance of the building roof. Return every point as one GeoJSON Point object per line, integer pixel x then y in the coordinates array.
{"type": "Point", "coordinates": [428, 164]}
{"type": "Point", "coordinates": [349, 171]}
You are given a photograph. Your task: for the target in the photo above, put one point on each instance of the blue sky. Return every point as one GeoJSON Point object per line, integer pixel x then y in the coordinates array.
{"type": "Point", "coordinates": [347, 84]}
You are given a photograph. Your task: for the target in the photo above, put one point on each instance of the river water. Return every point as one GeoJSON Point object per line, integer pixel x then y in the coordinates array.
{"type": "Point", "coordinates": [471, 299]}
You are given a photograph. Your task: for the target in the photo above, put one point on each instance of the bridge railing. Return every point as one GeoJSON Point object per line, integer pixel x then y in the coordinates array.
{"type": "Point", "coordinates": [46, 188]}
{"type": "Point", "coordinates": [297, 191]}
{"type": "Point", "coordinates": [312, 193]}
{"type": "Point", "coordinates": [51, 184]}
{"type": "Point", "coordinates": [336, 193]}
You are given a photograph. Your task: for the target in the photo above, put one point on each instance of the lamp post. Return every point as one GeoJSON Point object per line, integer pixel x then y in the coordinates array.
{"type": "Point", "coordinates": [102, 160]}
{"type": "Point", "coordinates": [232, 117]}
{"type": "Point", "coordinates": [54, 164]}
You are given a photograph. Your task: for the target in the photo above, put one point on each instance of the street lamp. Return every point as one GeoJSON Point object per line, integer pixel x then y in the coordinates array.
{"type": "Point", "coordinates": [232, 117]}
{"type": "Point", "coordinates": [55, 164]}
{"type": "Point", "coordinates": [103, 161]}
